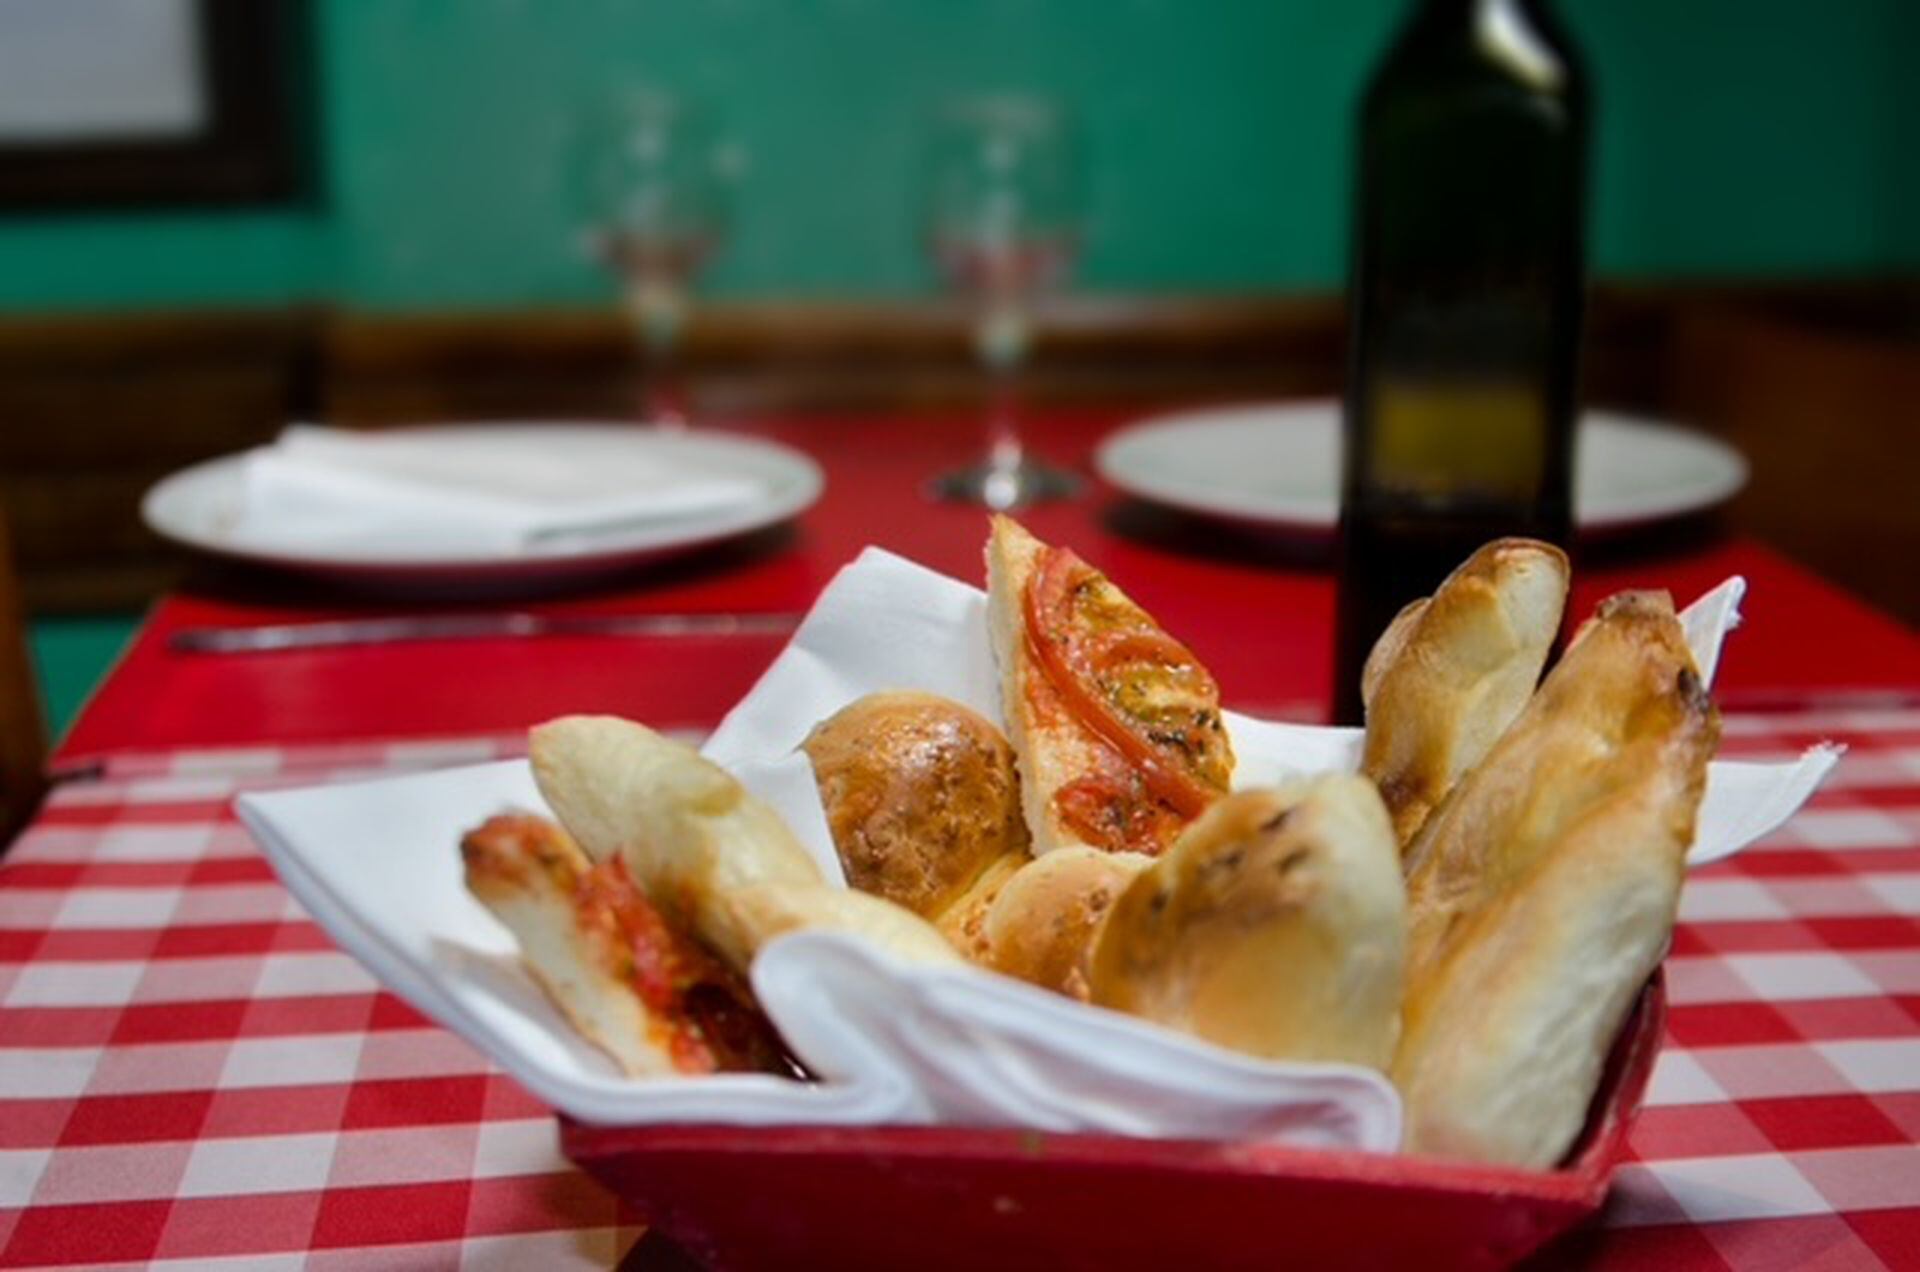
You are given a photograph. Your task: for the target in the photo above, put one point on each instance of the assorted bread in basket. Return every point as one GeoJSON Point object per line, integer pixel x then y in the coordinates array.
{"type": "Point", "coordinates": [1473, 914]}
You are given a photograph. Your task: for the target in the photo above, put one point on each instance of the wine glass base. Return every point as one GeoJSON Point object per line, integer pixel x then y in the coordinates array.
{"type": "Point", "coordinates": [1004, 487]}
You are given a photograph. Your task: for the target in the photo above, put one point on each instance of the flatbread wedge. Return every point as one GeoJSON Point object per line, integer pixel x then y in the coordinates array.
{"type": "Point", "coordinates": [1115, 725]}
{"type": "Point", "coordinates": [645, 994]}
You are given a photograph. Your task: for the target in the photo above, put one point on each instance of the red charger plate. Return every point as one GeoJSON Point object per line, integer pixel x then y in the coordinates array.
{"type": "Point", "coordinates": [940, 1197]}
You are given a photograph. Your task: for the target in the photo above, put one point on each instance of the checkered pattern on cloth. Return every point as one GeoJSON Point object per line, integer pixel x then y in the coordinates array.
{"type": "Point", "coordinates": [191, 1074]}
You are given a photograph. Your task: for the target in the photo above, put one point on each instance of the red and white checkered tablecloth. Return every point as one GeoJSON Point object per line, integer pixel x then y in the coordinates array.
{"type": "Point", "coordinates": [191, 1075]}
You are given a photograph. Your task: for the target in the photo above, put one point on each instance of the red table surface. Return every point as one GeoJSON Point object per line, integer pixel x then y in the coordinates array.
{"type": "Point", "coordinates": [1260, 620]}
{"type": "Point", "coordinates": [192, 1071]}
{"type": "Point", "coordinates": [192, 1076]}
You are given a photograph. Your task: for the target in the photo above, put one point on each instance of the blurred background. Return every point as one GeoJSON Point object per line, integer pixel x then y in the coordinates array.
{"type": "Point", "coordinates": [362, 211]}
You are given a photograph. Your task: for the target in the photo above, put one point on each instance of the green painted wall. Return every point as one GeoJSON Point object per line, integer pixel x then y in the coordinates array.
{"type": "Point", "coordinates": [1904, 209]}
{"type": "Point", "coordinates": [70, 655]}
{"type": "Point", "coordinates": [1736, 137]}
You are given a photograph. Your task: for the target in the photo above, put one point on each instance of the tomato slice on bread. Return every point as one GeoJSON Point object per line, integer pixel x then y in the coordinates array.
{"type": "Point", "coordinates": [1140, 690]}
{"type": "Point", "coordinates": [1117, 722]}
{"type": "Point", "coordinates": [648, 994]}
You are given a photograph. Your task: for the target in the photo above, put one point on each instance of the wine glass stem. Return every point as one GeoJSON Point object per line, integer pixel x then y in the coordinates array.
{"type": "Point", "coordinates": [659, 312]}
{"type": "Point", "coordinates": [1003, 422]}
{"type": "Point", "coordinates": [662, 401]}
{"type": "Point", "coordinates": [1001, 338]}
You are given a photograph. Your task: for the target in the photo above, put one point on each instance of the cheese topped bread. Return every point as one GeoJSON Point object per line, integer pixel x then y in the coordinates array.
{"type": "Point", "coordinates": [1115, 724]}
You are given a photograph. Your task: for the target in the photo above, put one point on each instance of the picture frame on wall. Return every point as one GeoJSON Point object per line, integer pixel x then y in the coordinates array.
{"type": "Point", "coordinates": [128, 103]}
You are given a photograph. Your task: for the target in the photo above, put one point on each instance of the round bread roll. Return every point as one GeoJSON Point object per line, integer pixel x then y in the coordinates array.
{"type": "Point", "coordinates": [920, 795]}
{"type": "Point", "coordinates": [1041, 926]}
{"type": "Point", "coordinates": [964, 921]}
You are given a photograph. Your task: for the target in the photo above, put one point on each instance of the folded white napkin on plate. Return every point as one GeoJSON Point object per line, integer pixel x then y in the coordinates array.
{"type": "Point", "coordinates": [378, 865]}
{"type": "Point", "coordinates": [475, 489]}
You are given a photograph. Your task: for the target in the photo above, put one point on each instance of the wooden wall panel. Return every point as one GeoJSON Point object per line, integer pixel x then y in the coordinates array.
{"type": "Point", "coordinates": [1829, 420]}
{"type": "Point", "coordinates": [788, 358]}
{"type": "Point", "coordinates": [95, 410]}
{"type": "Point", "coordinates": [22, 730]}
{"type": "Point", "coordinates": [1815, 382]}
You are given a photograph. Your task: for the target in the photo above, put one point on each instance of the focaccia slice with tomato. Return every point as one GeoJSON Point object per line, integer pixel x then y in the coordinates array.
{"type": "Point", "coordinates": [1115, 724]}
{"type": "Point", "coordinates": [649, 996]}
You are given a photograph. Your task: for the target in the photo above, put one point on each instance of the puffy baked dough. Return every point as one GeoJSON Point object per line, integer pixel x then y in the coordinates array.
{"type": "Point", "coordinates": [1276, 926]}
{"type": "Point", "coordinates": [964, 921]}
{"type": "Point", "coordinates": [1543, 892]}
{"type": "Point", "coordinates": [769, 910]}
{"type": "Point", "coordinates": [1453, 670]}
{"type": "Point", "coordinates": [920, 795]}
{"type": "Point", "coordinates": [708, 854]}
{"type": "Point", "coordinates": [923, 801]}
{"type": "Point", "coordinates": [1042, 924]}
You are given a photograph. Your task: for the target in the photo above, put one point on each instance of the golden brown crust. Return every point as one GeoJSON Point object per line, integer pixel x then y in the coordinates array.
{"type": "Point", "coordinates": [964, 922]}
{"type": "Point", "coordinates": [1543, 838]}
{"type": "Point", "coordinates": [1387, 650]}
{"type": "Point", "coordinates": [920, 795]}
{"type": "Point", "coordinates": [1452, 671]}
{"type": "Point", "coordinates": [1616, 708]}
{"type": "Point", "coordinates": [1042, 924]}
{"type": "Point", "coordinates": [1275, 926]}
{"type": "Point", "coordinates": [923, 804]}
{"type": "Point", "coordinates": [521, 852]}
{"type": "Point", "coordinates": [1542, 894]}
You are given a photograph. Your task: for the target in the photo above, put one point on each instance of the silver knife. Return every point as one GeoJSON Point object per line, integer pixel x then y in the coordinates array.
{"type": "Point", "coordinates": [387, 631]}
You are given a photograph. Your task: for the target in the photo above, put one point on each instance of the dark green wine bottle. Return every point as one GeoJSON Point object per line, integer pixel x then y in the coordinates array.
{"type": "Point", "coordinates": [1467, 288]}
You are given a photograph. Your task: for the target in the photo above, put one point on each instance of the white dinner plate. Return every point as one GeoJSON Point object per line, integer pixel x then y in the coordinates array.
{"type": "Point", "coordinates": [200, 507]}
{"type": "Point", "coordinates": [1278, 465]}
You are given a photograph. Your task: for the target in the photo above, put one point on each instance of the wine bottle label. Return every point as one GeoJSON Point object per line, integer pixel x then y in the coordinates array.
{"type": "Point", "coordinates": [1469, 442]}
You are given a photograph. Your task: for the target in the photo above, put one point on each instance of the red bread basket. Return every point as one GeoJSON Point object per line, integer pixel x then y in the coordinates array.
{"type": "Point", "coordinates": [927, 1198]}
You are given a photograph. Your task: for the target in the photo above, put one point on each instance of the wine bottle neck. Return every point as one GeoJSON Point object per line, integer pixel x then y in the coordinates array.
{"type": "Point", "coordinates": [1468, 11]}
{"type": "Point", "coordinates": [1523, 37]}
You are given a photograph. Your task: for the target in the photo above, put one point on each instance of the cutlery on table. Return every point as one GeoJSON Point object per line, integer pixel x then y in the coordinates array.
{"type": "Point", "coordinates": [387, 631]}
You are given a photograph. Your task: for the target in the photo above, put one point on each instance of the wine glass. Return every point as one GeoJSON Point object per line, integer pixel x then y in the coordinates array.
{"type": "Point", "coordinates": [1002, 219]}
{"type": "Point", "coordinates": [652, 194]}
